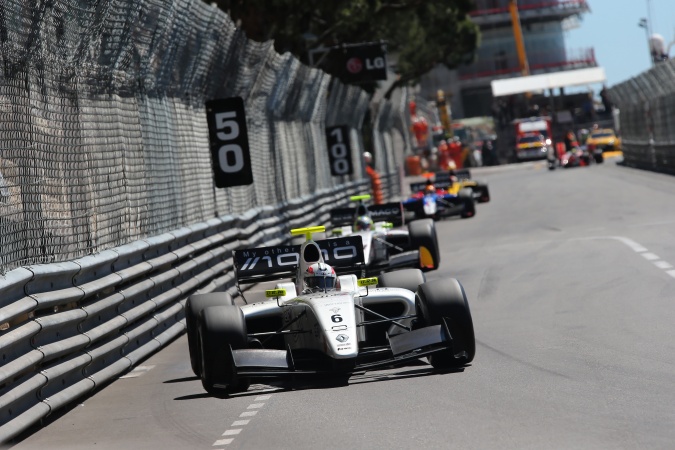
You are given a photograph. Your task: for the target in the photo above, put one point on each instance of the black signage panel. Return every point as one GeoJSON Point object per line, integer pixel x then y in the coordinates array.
{"type": "Point", "coordinates": [342, 252]}
{"type": "Point", "coordinates": [339, 150]}
{"type": "Point", "coordinates": [363, 63]}
{"type": "Point", "coordinates": [230, 153]}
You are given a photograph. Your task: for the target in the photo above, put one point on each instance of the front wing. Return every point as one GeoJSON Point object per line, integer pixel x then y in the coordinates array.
{"type": "Point", "coordinates": [401, 349]}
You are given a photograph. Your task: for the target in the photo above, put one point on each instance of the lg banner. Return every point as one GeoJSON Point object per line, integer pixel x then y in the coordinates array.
{"type": "Point", "coordinates": [339, 151]}
{"type": "Point", "coordinates": [364, 63]}
{"type": "Point", "coordinates": [230, 152]}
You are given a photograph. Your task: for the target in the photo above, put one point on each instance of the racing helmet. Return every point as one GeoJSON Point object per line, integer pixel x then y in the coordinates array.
{"type": "Point", "coordinates": [363, 223]}
{"type": "Point", "coordinates": [321, 277]}
{"type": "Point", "coordinates": [429, 189]}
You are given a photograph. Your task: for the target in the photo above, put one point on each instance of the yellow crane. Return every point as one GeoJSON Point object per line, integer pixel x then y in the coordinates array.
{"type": "Point", "coordinates": [518, 36]}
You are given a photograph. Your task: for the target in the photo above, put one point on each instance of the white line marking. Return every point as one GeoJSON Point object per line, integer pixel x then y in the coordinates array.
{"type": "Point", "coordinates": [232, 432]}
{"type": "Point", "coordinates": [138, 371]}
{"type": "Point", "coordinates": [238, 423]}
{"type": "Point", "coordinates": [632, 244]}
{"type": "Point", "coordinates": [649, 256]}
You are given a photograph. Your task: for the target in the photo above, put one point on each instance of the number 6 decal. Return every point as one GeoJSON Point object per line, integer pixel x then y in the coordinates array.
{"type": "Point", "coordinates": [339, 152]}
{"type": "Point", "coordinates": [230, 152]}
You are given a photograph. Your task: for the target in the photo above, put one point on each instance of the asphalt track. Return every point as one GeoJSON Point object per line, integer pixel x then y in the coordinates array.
{"type": "Point", "coordinates": [571, 279]}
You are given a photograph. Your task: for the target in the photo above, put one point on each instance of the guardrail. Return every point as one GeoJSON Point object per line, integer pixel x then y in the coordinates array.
{"type": "Point", "coordinates": [69, 328]}
{"type": "Point", "coordinates": [655, 156]}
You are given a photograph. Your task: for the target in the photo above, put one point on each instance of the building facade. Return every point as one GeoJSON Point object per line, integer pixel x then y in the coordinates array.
{"type": "Point", "coordinates": [543, 24]}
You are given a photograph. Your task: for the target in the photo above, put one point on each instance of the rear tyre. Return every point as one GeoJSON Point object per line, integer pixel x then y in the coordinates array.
{"type": "Point", "coordinates": [409, 279]}
{"type": "Point", "coordinates": [221, 329]}
{"type": "Point", "coordinates": [194, 306]}
{"type": "Point", "coordinates": [446, 298]}
{"type": "Point", "coordinates": [469, 203]}
{"type": "Point", "coordinates": [423, 237]}
{"type": "Point", "coordinates": [484, 192]}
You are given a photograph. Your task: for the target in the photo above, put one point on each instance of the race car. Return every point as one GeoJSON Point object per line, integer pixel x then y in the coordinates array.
{"type": "Point", "coordinates": [454, 181]}
{"type": "Point", "coordinates": [325, 320]}
{"type": "Point", "coordinates": [413, 245]}
{"type": "Point", "coordinates": [578, 157]}
{"type": "Point", "coordinates": [430, 201]}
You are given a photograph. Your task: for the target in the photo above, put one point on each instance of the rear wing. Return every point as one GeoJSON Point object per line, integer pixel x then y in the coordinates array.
{"type": "Point", "coordinates": [439, 184]}
{"type": "Point", "coordinates": [340, 217]}
{"type": "Point", "coordinates": [461, 174]}
{"type": "Point", "coordinates": [388, 212]}
{"type": "Point", "coordinates": [442, 180]}
{"type": "Point", "coordinates": [253, 265]}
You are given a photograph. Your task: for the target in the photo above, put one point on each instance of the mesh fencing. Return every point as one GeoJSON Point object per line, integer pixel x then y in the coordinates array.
{"type": "Point", "coordinates": [647, 108]}
{"type": "Point", "coordinates": [103, 129]}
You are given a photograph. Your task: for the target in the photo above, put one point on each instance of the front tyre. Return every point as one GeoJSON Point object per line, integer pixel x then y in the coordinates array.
{"type": "Point", "coordinates": [193, 308]}
{"type": "Point", "coordinates": [221, 330]}
{"type": "Point", "coordinates": [440, 299]}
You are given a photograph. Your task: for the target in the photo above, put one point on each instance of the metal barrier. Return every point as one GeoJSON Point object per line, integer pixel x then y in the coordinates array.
{"type": "Point", "coordinates": [72, 327]}
{"type": "Point", "coordinates": [647, 108]}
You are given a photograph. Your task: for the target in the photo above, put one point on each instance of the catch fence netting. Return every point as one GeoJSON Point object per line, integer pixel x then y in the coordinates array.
{"type": "Point", "coordinates": [647, 109]}
{"type": "Point", "coordinates": [103, 131]}
{"type": "Point", "coordinates": [391, 139]}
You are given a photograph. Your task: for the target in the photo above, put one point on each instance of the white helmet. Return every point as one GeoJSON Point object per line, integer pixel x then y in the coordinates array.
{"type": "Point", "coordinates": [320, 277]}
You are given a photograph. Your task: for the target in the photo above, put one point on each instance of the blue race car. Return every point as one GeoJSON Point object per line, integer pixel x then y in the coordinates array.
{"type": "Point", "coordinates": [430, 201]}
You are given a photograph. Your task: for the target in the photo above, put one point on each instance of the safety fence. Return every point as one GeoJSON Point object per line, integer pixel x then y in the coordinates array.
{"type": "Point", "coordinates": [647, 109]}
{"type": "Point", "coordinates": [71, 327]}
{"type": "Point", "coordinates": [104, 132]}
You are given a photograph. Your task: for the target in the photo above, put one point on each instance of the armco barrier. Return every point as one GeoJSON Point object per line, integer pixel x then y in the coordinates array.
{"type": "Point", "coordinates": [68, 328]}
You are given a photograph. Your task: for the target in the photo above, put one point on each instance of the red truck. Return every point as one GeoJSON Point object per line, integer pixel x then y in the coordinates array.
{"type": "Point", "coordinates": [534, 138]}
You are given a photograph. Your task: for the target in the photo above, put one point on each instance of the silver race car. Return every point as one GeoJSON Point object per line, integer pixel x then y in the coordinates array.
{"type": "Point", "coordinates": [324, 321]}
{"type": "Point", "coordinates": [388, 243]}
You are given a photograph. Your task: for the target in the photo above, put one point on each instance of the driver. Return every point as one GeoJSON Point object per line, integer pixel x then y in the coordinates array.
{"type": "Point", "coordinates": [363, 223]}
{"type": "Point", "coordinates": [320, 277]}
{"type": "Point", "coordinates": [429, 188]}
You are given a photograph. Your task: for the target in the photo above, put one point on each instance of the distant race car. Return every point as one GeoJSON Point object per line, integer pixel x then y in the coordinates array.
{"type": "Point", "coordinates": [413, 245]}
{"type": "Point", "coordinates": [324, 321]}
{"type": "Point", "coordinates": [455, 180]}
{"type": "Point", "coordinates": [579, 157]}
{"type": "Point", "coordinates": [430, 201]}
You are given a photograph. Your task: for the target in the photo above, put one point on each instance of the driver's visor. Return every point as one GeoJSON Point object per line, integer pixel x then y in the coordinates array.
{"type": "Point", "coordinates": [320, 282]}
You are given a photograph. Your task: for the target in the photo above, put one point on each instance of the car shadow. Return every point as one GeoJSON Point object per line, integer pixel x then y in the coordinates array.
{"type": "Point", "coordinates": [303, 383]}
{"type": "Point", "coordinates": [181, 380]}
